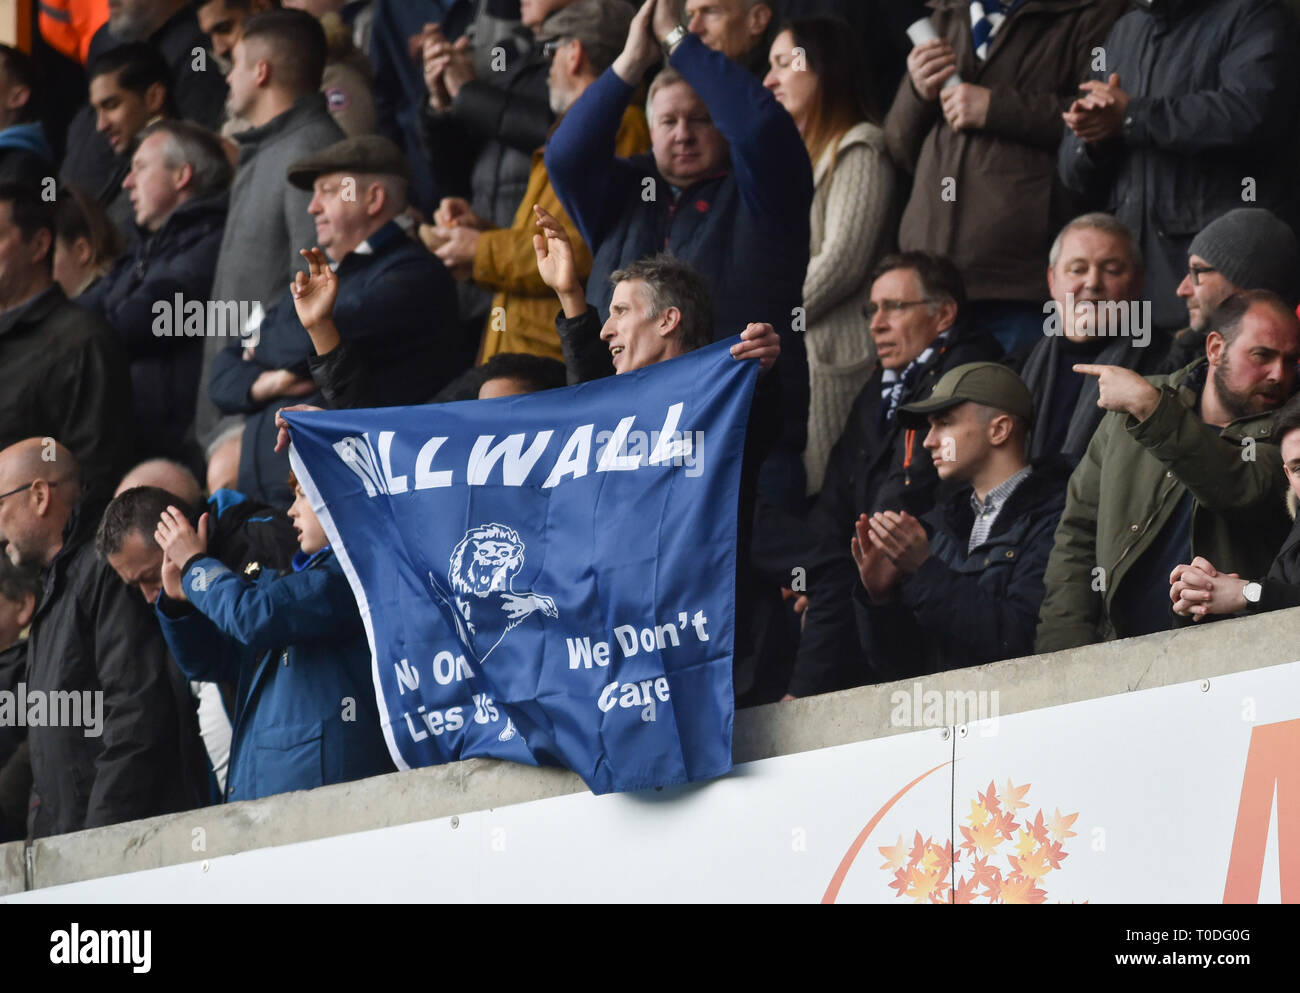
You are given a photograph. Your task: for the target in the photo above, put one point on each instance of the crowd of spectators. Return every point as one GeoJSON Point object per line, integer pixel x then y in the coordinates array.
{"type": "Point", "coordinates": [1023, 295]}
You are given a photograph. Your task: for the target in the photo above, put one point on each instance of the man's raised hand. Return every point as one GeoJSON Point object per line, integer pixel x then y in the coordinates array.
{"type": "Point", "coordinates": [929, 64]}
{"type": "Point", "coordinates": [178, 540]}
{"type": "Point", "coordinates": [315, 291]}
{"type": "Point", "coordinates": [641, 50]}
{"type": "Point", "coordinates": [877, 573]}
{"type": "Point", "coordinates": [554, 251]}
{"type": "Point", "coordinates": [902, 538]}
{"type": "Point", "coordinates": [1122, 390]}
{"type": "Point", "coordinates": [282, 426]}
{"type": "Point", "coordinates": [758, 341]}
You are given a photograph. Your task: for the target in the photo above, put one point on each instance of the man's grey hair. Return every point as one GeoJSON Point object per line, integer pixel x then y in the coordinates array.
{"type": "Point", "coordinates": [670, 282]}
{"type": "Point", "coordinates": [1107, 224]}
{"type": "Point", "coordinates": [396, 189]}
{"type": "Point", "coordinates": [189, 144]}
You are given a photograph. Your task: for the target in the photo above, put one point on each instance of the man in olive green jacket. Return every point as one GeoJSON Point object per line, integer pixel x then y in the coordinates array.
{"type": "Point", "coordinates": [1181, 465]}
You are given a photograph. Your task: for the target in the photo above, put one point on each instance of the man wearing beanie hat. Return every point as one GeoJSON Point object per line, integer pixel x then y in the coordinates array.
{"type": "Point", "coordinates": [963, 585]}
{"type": "Point", "coordinates": [1249, 248]}
{"type": "Point", "coordinates": [377, 302]}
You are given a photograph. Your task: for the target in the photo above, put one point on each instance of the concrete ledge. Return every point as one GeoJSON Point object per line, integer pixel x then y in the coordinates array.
{"type": "Point", "coordinates": [763, 732]}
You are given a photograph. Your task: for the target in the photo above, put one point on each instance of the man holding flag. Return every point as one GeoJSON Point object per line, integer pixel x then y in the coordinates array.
{"type": "Point", "coordinates": [540, 576]}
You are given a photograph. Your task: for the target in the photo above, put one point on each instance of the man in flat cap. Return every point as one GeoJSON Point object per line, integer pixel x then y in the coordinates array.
{"type": "Point", "coordinates": [389, 300]}
{"type": "Point", "coordinates": [963, 585]}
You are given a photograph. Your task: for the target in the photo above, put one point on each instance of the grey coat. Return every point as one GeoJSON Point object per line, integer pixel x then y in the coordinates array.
{"type": "Point", "coordinates": [267, 224]}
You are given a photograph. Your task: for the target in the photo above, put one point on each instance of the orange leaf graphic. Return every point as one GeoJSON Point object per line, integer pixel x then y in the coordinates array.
{"type": "Point", "coordinates": [1031, 866]}
{"type": "Point", "coordinates": [965, 891]}
{"type": "Point", "coordinates": [895, 855]}
{"type": "Point", "coordinates": [1055, 853]}
{"type": "Point", "coordinates": [990, 799]}
{"type": "Point", "coordinates": [1038, 829]}
{"type": "Point", "coordinates": [1021, 889]}
{"type": "Point", "coordinates": [1011, 797]}
{"type": "Point", "coordinates": [923, 884]}
{"type": "Point", "coordinates": [1026, 844]}
{"type": "Point", "coordinates": [1059, 827]}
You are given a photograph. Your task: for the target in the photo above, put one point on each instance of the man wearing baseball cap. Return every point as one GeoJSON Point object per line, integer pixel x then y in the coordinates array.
{"type": "Point", "coordinates": [376, 301]}
{"type": "Point", "coordinates": [962, 586]}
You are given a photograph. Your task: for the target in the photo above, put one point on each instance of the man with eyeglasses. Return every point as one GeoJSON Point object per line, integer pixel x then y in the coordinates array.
{"type": "Point", "coordinates": [130, 754]}
{"type": "Point", "coordinates": [1249, 248]}
{"type": "Point", "coordinates": [918, 322]}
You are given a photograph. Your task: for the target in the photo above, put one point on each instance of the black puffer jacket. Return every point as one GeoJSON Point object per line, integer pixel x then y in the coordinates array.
{"type": "Point", "coordinates": [488, 136]}
{"type": "Point", "coordinates": [93, 634]}
{"type": "Point", "coordinates": [177, 260]}
{"type": "Point", "coordinates": [964, 608]}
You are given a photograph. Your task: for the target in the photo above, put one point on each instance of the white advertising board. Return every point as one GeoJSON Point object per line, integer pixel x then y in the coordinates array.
{"type": "Point", "coordinates": [1185, 793]}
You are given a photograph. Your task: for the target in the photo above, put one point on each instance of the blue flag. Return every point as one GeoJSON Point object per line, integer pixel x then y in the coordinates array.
{"type": "Point", "coordinates": [548, 579]}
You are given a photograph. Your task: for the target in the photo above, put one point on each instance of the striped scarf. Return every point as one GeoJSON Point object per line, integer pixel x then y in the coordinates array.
{"type": "Point", "coordinates": [986, 16]}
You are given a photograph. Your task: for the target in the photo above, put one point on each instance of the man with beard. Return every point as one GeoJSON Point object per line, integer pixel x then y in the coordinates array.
{"type": "Point", "coordinates": [1249, 248]}
{"type": "Point", "coordinates": [1190, 469]}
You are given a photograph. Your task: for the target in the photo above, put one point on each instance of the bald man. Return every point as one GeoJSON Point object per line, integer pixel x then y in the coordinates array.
{"type": "Point", "coordinates": [117, 743]}
{"type": "Point", "coordinates": [165, 475]}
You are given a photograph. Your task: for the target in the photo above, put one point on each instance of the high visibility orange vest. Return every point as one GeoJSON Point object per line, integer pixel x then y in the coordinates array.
{"type": "Point", "coordinates": [68, 25]}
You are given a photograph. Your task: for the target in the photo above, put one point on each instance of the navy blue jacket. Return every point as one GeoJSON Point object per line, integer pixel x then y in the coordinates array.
{"type": "Point", "coordinates": [296, 649]}
{"type": "Point", "coordinates": [968, 608]}
{"type": "Point", "coordinates": [746, 228]}
{"type": "Point", "coordinates": [396, 309]}
{"type": "Point", "coordinates": [179, 258]}
{"type": "Point", "coordinates": [868, 471]}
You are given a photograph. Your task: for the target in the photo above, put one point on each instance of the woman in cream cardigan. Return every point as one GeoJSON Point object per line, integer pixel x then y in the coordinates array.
{"type": "Point", "coordinates": [816, 74]}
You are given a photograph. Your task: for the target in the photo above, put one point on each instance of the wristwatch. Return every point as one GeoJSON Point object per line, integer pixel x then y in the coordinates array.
{"type": "Point", "coordinates": [674, 39]}
{"type": "Point", "coordinates": [1252, 592]}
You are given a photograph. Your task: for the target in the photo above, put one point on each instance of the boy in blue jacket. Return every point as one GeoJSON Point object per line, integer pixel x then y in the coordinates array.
{"type": "Point", "coordinates": [295, 647]}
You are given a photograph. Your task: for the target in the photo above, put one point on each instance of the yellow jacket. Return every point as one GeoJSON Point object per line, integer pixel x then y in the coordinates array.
{"type": "Point", "coordinates": [523, 312]}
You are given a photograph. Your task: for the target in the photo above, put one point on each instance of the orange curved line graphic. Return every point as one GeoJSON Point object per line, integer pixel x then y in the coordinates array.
{"type": "Point", "coordinates": [837, 880]}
